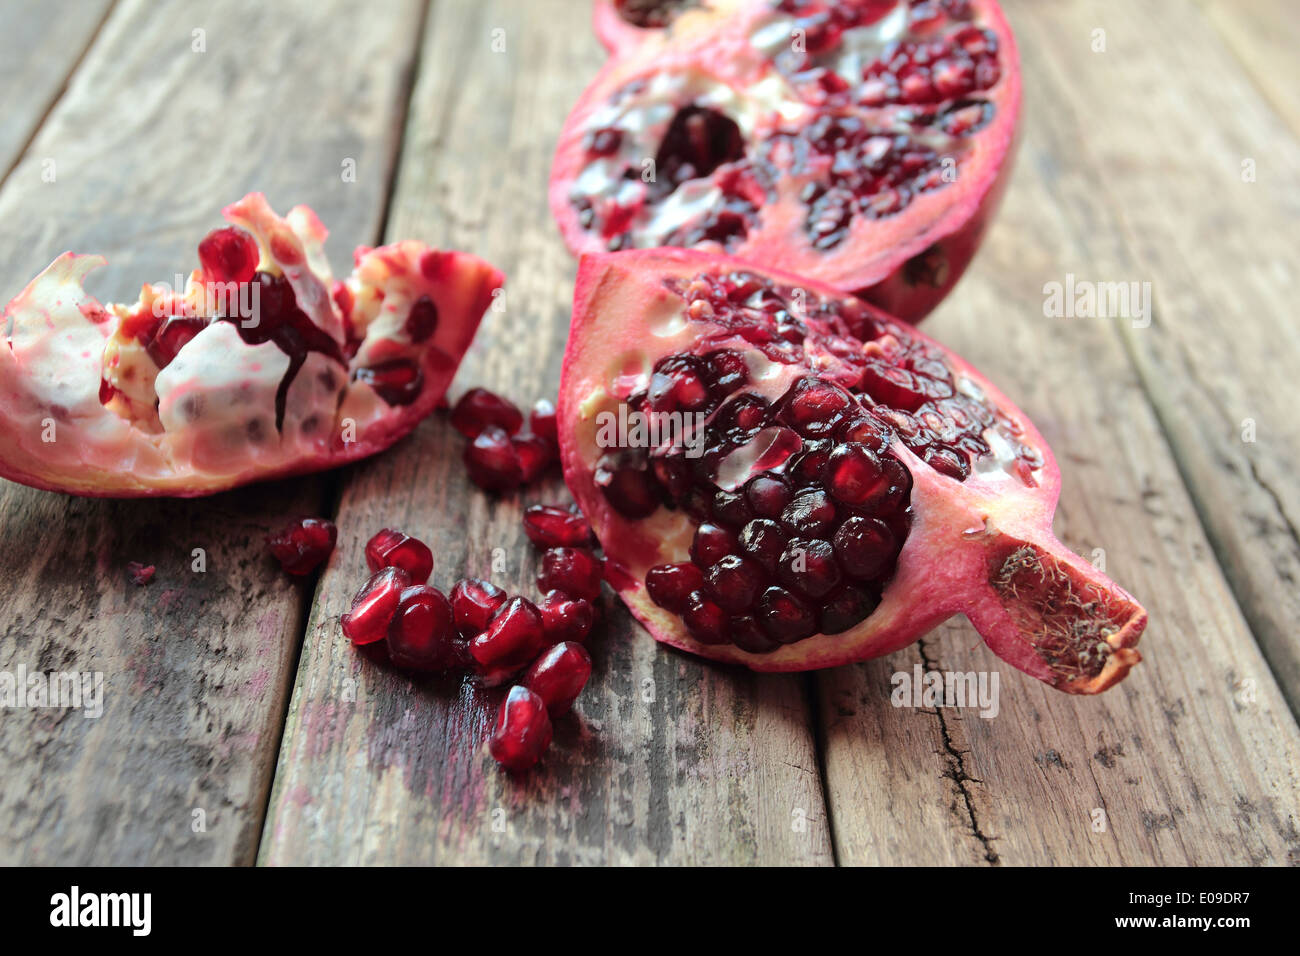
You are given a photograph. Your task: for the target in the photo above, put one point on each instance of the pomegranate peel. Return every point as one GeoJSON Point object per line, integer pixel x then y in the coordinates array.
{"type": "Point", "coordinates": [237, 377]}
{"type": "Point", "coordinates": [963, 524]}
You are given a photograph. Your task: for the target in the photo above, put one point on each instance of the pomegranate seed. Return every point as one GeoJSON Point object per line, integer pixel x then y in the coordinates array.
{"type": "Point", "coordinates": [630, 491]}
{"type": "Point", "coordinates": [763, 541]}
{"type": "Point", "coordinates": [229, 255]}
{"type": "Point", "coordinates": [865, 431]}
{"type": "Point", "coordinates": [474, 602]}
{"type": "Point", "coordinates": [422, 321]}
{"type": "Point", "coordinates": [726, 371]}
{"type": "Point", "coordinates": [373, 606]}
{"type": "Point", "coordinates": [706, 621]}
{"type": "Point", "coordinates": [808, 566]}
{"type": "Point", "coordinates": [748, 636]}
{"type": "Point", "coordinates": [397, 382]}
{"type": "Point", "coordinates": [669, 585]}
{"type": "Point", "coordinates": [559, 675]}
{"type": "Point", "coordinates": [575, 571]}
{"type": "Point", "coordinates": [421, 635]}
{"type": "Point", "coordinates": [542, 421]}
{"type": "Point", "coordinates": [864, 547]}
{"type": "Point", "coordinates": [478, 408]}
{"type": "Point", "coordinates": [303, 545]}
{"type": "Point", "coordinates": [605, 141]}
{"type": "Point", "coordinates": [810, 514]}
{"type": "Point", "coordinates": [175, 333]}
{"type": "Point", "coordinates": [492, 461]}
{"type": "Point", "coordinates": [395, 549]}
{"type": "Point", "coordinates": [565, 618]}
{"type": "Point", "coordinates": [853, 474]}
{"type": "Point", "coordinates": [140, 574]}
{"type": "Point", "coordinates": [535, 455]}
{"type": "Point", "coordinates": [523, 731]}
{"type": "Point", "coordinates": [848, 606]}
{"type": "Point", "coordinates": [785, 618]}
{"type": "Point", "coordinates": [548, 526]}
{"type": "Point", "coordinates": [712, 543]}
{"type": "Point", "coordinates": [767, 495]}
{"type": "Point", "coordinates": [730, 508]}
{"type": "Point", "coordinates": [512, 639]}
{"type": "Point", "coordinates": [814, 407]}
{"type": "Point", "coordinates": [948, 461]}
{"type": "Point", "coordinates": [735, 582]}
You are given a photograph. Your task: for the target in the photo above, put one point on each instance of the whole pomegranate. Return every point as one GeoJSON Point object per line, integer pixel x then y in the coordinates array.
{"type": "Point", "coordinates": [862, 144]}
{"type": "Point", "coordinates": [788, 478]}
{"type": "Point", "coordinates": [262, 366]}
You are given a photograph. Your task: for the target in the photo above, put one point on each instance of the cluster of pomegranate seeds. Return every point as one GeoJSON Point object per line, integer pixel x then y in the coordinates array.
{"type": "Point", "coordinates": [304, 545]}
{"type": "Point", "coordinates": [140, 574]}
{"type": "Point", "coordinates": [548, 526]}
{"type": "Point", "coordinates": [498, 458]}
{"type": "Point", "coordinates": [374, 606]}
{"type": "Point", "coordinates": [228, 255]}
{"type": "Point", "coordinates": [421, 635]}
{"type": "Point", "coordinates": [396, 549]}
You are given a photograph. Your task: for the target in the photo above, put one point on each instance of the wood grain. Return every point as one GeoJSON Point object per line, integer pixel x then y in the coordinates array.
{"type": "Point", "coordinates": [670, 760]}
{"type": "Point", "coordinates": [150, 140]}
{"type": "Point", "coordinates": [1195, 758]}
{"type": "Point", "coordinates": [1264, 35]}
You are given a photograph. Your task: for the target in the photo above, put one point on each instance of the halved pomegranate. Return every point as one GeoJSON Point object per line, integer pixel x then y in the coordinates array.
{"type": "Point", "coordinates": [263, 366]}
{"type": "Point", "coordinates": [861, 144]}
{"type": "Point", "coordinates": [789, 478]}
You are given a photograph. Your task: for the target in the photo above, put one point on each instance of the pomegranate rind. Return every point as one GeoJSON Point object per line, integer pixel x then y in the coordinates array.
{"type": "Point", "coordinates": [954, 560]}
{"type": "Point", "coordinates": [62, 437]}
{"type": "Point", "coordinates": [883, 260]}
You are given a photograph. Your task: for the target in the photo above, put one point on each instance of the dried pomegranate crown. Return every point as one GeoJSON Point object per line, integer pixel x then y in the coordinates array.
{"type": "Point", "coordinates": [262, 366]}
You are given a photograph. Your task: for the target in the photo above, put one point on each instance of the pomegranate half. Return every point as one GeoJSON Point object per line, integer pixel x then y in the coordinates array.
{"type": "Point", "coordinates": [865, 144]}
{"type": "Point", "coordinates": [262, 366]}
{"type": "Point", "coordinates": [785, 477]}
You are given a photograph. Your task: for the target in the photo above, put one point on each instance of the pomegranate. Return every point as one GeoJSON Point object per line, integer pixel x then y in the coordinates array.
{"type": "Point", "coordinates": [886, 485]}
{"type": "Point", "coordinates": [397, 549]}
{"type": "Point", "coordinates": [421, 635]}
{"type": "Point", "coordinates": [262, 366]}
{"type": "Point", "coordinates": [474, 602]}
{"type": "Point", "coordinates": [862, 144]}
{"type": "Point", "coordinates": [566, 618]}
{"type": "Point", "coordinates": [304, 545]}
{"type": "Point", "coordinates": [559, 675]}
{"type": "Point", "coordinates": [522, 732]}
{"type": "Point", "coordinates": [374, 606]}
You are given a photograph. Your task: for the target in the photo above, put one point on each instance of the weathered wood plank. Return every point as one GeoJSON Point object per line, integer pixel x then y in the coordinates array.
{"type": "Point", "coordinates": [1264, 34]}
{"type": "Point", "coordinates": [1195, 758]}
{"type": "Point", "coordinates": [40, 45]}
{"type": "Point", "coordinates": [151, 139]}
{"type": "Point", "coordinates": [672, 760]}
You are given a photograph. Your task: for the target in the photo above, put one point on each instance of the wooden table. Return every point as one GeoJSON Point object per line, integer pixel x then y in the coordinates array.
{"type": "Point", "coordinates": [239, 725]}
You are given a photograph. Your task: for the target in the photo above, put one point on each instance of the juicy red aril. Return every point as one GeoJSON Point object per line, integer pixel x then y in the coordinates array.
{"type": "Point", "coordinates": [730, 508]}
{"type": "Point", "coordinates": [566, 618]}
{"type": "Point", "coordinates": [865, 431]}
{"type": "Point", "coordinates": [767, 495]}
{"type": "Point", "coordinates": [809, 514]}
{"type": "Point", "coordinates": [629, 489]}
{"type": "Point", "coordinates": [174, 334]}
{"type": "Point", "coordinates": [742, 415]}
{"type": "Point", "coordinates": [853, 474]}
{"type": "Point", "coordinates": [677, 384]}
{"type": "Point", "coordinates": [422, 635]}
{"type": "Point", "coordinates": [847, 607]}
{"type": "Point", "coordinates": [948, 461]}
{"type": "Point", "coordinates": [864, 547]}
{"type": "Point", "coordinates": [373, 606]}
{"type": "Point", "coordinates": [535, 455]}
{"type": "Point", "coordinates": [669, 585]}
{"type": "Point", "coordinates": [808, 567]}
{"type": "Point", "coordinates": [712, 543]}
{"type": "Point", "coordinates": [605, 141]}
{"type": "Point", "coordinates": [397, 382]}
{"type": "Point", "coordinates": [303, 545]}
{"type": "Point", "coordinates": [550, 527]}
{"type": "Point", "coordinates": [726, 371]}
{"type": "Point", "coordinates": [735, 582]}
{"type": "Point", "coordinates": [559, 675]}
{"type": "Point", "coordinates": [478, 408]}
{"type": "Point", "coordinates": [900, 388]}
{"type": "Point", "coordinates": [422, 321]}
{"type": "Point", "coordinates": [706, 621]}
{"type": "Point", "coordinates": [784, 617]}
{"type": "Point", "coordinates": [512, 639]}
{"type": "Point", "coordinates": [229, 255]}
{"type": "Point", "coordinates": [763, 541]}
{"type": "Point", "coordinates": [523, 731]}
{"type": "Point", "coordinates": [748, 635]}
{"type": "Point", "coordinates": [542, 420]}
{"type": "Point", "coordinates": [396, 549]}
{"type": "Point", "coordinates": [474, 602]}
{"type": "Point", "coordinates": [813, 407]}
{"type": "Point", "coordinates": [492, 461]}
{"type": "Point", "coordinates": [575, 571]}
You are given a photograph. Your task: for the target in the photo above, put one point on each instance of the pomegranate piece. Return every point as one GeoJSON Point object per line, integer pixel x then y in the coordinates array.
{"type": "Point", "coordinates": [523, 731]}
{"type": "Point", "coordinates": [396, 549]}
{"type": "Point", "coordinates": [140, 574]}
{"type": "Point", "coordinates": [512, 638]}
{"type": "Point", "coordinates": [474, 602]}
{"type": "Point", "coordinates": [492, 460]}
{"type": "Point", "coordinates": [870, 155]}
{"type": "Point", "coordinates": [549, 526]}
{"type": "Point", "coordinates": [541, 420]}
{"type": "Point", "coordinates": [478, 408]}
{"type": "Point", "coordinates": [559, 675]}
{"type": "Point", "coordinates": [261, 367]}
{"type": "Point", "coordinates": [877, 524]}
{"type": "Point", "coordinates": [422, 635]}
{"type": "Point", "coordinates": [374, 605]}
{"type": "Point", "coordinates": [566, 618]}
{"type": "Point", "coordinates": [303, 545]}
{"type": "Point", "coordinates": [575, 571]}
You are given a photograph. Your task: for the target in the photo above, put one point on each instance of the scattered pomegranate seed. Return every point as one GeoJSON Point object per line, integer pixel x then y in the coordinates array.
{"type": "Point", "coordinates": [512, 639]}
{"type": "Point", "coordinates": [535, 455]}
{"type": "Point", "coordinates": [374, 606]}
{"type": "Point", "coordinates": [549, 526]}
{"type": "Point", "coordinates": [566, 618]}
{"type": "Point", "coordinates": [396, 549]}
{"type": "Point", "coordinates": [141, 574]}
{"type": "Point", "coordinates": [303, 545]}
{"type": "Point", "coordinates": [492, 460]}
{"type": "Point", "coordinates": [575, 571]}
{"type": "Point", "coordinates": [229, 255]}
{"type": "Point", "coordinates": [474, 602]}
{"type": "Point", "coordinates": [559, 675]}
{"type": "Point", "coordinates": [542, 421]}
{"type": "Point", "coordinates": [669, 585]}
{"type": "Point", "coordinates": [523, 730]}
{"type": "Point", "coordinates": [478, 408]}
{"type": "Point", "coordinates": [421, 635]}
